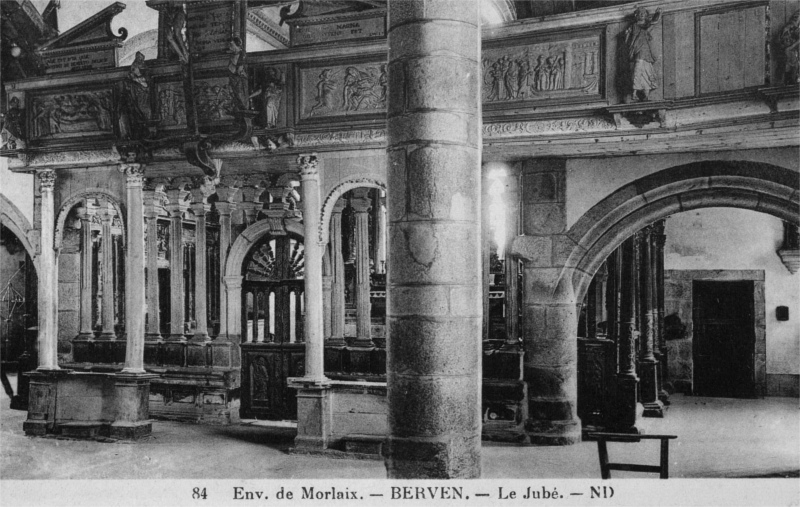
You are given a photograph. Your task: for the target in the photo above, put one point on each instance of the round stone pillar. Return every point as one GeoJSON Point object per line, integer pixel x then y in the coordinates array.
{"type": "Point", "coordinates": [107, 261]}
{"type": "Point", "coordinates": [200, 298]}
{"type": "Point", "coordinates": [314, 339]}
{"type": "Point", "coordinates": [361, 205]}
{"type": "Point", "coordinates": [87, 270]}
{"type": "Point", "coordinates": [337, 281]}
{"type": "Point", "coordinates": [434, 275]}
{"type": "Point", "coordinates": [152, 297]}
{"type": "Point", "coordinates": [48, 276]}
{"type": "Point", "coordinates": [134, 271]}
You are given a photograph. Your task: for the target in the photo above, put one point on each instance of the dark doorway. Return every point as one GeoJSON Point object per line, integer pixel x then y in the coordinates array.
{"type": "Point", "coordinates": [724, 339]}
{"type": "Point", "coordinates": [273, 347]}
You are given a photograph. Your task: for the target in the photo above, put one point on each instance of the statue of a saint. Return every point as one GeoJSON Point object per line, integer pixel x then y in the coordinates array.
{"type": "Point", "coordinates": [638, 41]}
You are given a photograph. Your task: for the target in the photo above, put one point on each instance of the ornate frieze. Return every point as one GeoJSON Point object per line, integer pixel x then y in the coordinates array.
{"type": "Point", "coordinates": [71, 114]}
{"type": "Point", "coordinates": [340, 138]}
{"type": "Point", "coordinates": [551, 69]}
{"type": "Point", "coordinates": [546, 127]}
{"type": "Point", "coordinates": [343, 90]}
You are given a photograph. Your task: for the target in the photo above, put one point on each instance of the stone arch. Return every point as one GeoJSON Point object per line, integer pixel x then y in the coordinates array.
{"type": "Point", "coordinates": [15, 221]}
{"type": "Point", "coordinates": [242, 245]}
{"type": "Point", "coordinates": [748, 185]}
{"type": "Point", "coordinates": [78, 196]}
{"type": "Point", "coordinates": [334, 195]}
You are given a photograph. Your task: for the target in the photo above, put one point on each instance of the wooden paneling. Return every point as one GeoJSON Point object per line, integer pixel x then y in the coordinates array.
{"type": "Point", "coordinates": [613, 60]}
{"type": "Point", "coordinates": [709, 54]}
{"type": "Point", "coordinates": [684, 54]}
{"type": "Point", "coordinates": [754, 47]}
{"type": "Point", "coordinates": [669, 56]}
{"type": "Point", "coordinates": [732, 50]}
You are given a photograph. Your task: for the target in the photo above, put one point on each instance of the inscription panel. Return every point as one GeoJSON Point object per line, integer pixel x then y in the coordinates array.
{"type": "Point", "coordinates": [72, 62]}
{"type": "Point", "coordinates": [343, 90]}
{"type": "Point", "coordinates": [210, 28]}
{"type": "Point", "coordinates": [339, 30]}
{"type": "Point", "coordinates": [542, 70]}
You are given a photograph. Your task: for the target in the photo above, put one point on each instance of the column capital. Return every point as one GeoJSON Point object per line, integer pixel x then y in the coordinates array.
{"type": "Point", "coordinates": [107, 214]}
{"type": "Point", "coordinates": [202, 188]}
{"type": "Point", "coordinates": [233, 282]}
{"type": "Point", "coordinates": [339, 206]}
{"type": "Point", "coordinates": [309, 166]}
{"type": "Point", "coordinates": [225, 208]}
{"type": "Point", "coordinates": [47, 179]}
{"type": "Point", "coordinates": [200, 208]}
{"type": "Point", "coordinates": [134, 173]}
{"type": "Point", "coordinates": [227, 194]}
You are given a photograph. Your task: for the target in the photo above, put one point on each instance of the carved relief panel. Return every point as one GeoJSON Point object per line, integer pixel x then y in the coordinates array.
{"type": "Point", "coordinates": [541, 70]}
{"type": "Point", "coordinates": [71, 114]}
{"type": "Point", "coordinates": [213, 97]}
{"type": "Point", "coordinates": [342, 90]}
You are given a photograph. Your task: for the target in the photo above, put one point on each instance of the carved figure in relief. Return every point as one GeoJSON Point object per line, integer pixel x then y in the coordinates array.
{"type": "Point", "coordinates": [176, 35]}
{"type": "Point", "coordinates": [136, 99]}
{"type": "Point", "coordinates": [511, 76]}
{"type": "Point", "coordinates": [238, 75]}
{"type": "Point", "coordinates": [790, 42]}
{"type": "Point", "coordinates": [12, 125]}
{"type": "Point", "coordinates": [325, 88]}
{"type": "Point", "coordinates": [638, 41]}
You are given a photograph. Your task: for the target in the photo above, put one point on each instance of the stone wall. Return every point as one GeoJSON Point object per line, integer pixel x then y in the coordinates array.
{"type": "Point", "coordinates": [678, 301]}
{"type": "Point", "coordinates": [733, 239]}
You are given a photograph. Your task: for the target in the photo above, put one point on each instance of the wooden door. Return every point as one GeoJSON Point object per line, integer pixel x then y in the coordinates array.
{"type": "Point", "coordinates": [273, 347]}
{"type": "Point", "coordinates": [723, 339]}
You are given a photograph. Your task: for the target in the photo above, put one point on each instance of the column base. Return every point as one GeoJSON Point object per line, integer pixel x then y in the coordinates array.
{"type": "Point", "coordinates": [663, 397]}
{"type": "Point", "coordinates": [546, 432]}
{"type": "Point", "coordinates": [152, 337]}
{"type": "Point", "coordinates": [313, 413]}
{"type": "Point", "coordinates": [201, 337]}
{"type": "Point", "coordinates": [122, 430]}
{"type": "Point", "coordinates": [653, 409]}
{"type": "Point", "coordinates": [363, 343]}
{"type": "Point", "coordinates": [426, 458]}
{"type": "Point", "coordinates": [85, 336]}
{"type": "Point", "coordinates": [177, 338]}
{"type": "Point", "coordinates": [106, 336]}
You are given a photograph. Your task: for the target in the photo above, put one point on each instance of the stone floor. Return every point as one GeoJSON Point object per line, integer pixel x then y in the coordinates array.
{"type": "Point", "coordinates": [720, 438]}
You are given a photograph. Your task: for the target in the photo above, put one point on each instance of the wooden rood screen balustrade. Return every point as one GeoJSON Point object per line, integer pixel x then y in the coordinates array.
{"type": "Point", "coordinates": [273, 347]}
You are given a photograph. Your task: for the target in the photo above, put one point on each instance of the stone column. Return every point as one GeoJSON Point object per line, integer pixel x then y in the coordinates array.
{"type": "Point", "coordinates": [87, 270]}
{"type": "Point", "coordinates": [48, 276]}
{"type": "Point", "coordinates": [434, 198]}
{"type": "Point", "coordinates": [337, 277]}
{"type": "Point", "coordinates": [624, 419]}
{"type": "Point", "coordinates": [107, 265]}
{"type": "Point", "coordinates": [361, 205]}
{"type": "Point", "coordinates": [134, 271]}
{"type": "Point", "coordinates": [200, 314]}
{"type": "Point", "coordinates": [225, 206]}
{"type": "Point", "coordinates": [380, 234]}
{"type": "Point", "coordinates": [309, 177]}
{"type": "Point", "coordinates": [153, 303]}
{"type": "Point", "coordinates": [233, 288]}
{"type": "Point", "coordinates": [511, 198]}
{"type": "Point", "coordinates": [177, 207]}
{"type": "Point", "coordinates": [659, 240]}
{"type": "Point", "coordinates": [649, 387]}
{"type": "Point", "coordinates": [313, 390]}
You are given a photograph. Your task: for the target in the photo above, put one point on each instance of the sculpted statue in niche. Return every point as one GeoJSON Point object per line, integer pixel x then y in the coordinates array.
{"type": "Point", "coordinates": [12, 126]}
{"type": "Point", "coordinates": [790, 42]}
{"type": "Point", "coordinates": [176, 32]}
{"type": "Point", "coordinates": [271, 95]}
{"type": "Point", "coordinates": [638, 42]}
{"type": "Point", "coordinates": [136, 101]}
{"type": "Point", "coordinates": [238, 76]}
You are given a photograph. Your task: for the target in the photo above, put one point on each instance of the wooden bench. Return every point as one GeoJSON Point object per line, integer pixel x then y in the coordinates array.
{"type": "Point", "coordinates": [606, 467]}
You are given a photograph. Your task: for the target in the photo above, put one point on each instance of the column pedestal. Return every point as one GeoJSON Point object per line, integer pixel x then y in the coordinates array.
{"type": "Point", "coordinates": [132, 393]}
{"type": "Point", "coordinates": [313, 416]}
{"type": "Point", "coordinates": [653, 406]}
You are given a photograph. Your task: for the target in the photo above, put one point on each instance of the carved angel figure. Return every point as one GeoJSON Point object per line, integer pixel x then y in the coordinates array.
{"type": "Point", "coordinates": [638, 41]}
